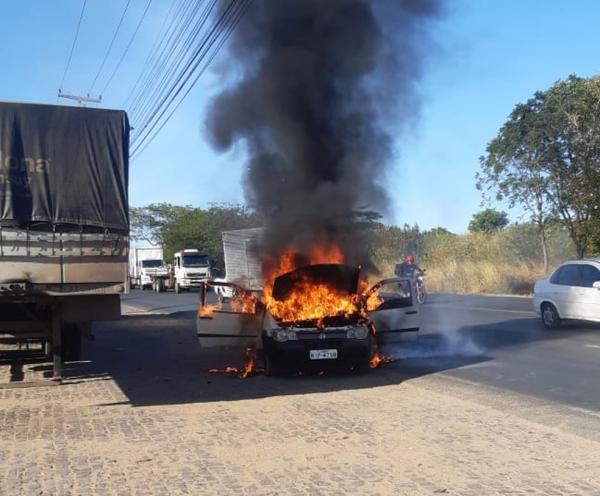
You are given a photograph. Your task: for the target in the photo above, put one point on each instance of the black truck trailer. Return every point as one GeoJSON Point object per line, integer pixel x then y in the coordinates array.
{"type": "Point", "coordinates": [64, 223]}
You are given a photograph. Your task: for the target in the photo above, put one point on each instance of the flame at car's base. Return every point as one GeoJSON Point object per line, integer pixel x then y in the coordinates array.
{"type": "Point", "coordinates": [249, 366]}
{"type": "Point", "coordinates": [377, 359]}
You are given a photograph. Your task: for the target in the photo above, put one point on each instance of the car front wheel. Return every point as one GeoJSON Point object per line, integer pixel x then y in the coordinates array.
{"type": "Point", "coordinates": [550, 316]}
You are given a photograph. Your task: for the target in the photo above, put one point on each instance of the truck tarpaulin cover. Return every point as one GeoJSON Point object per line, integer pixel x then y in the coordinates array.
{"type": "Point", "coordinates": [63, 166]}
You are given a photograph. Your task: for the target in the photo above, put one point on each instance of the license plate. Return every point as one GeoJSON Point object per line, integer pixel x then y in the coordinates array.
{"type": "Point", "coordinates": [323, 354]}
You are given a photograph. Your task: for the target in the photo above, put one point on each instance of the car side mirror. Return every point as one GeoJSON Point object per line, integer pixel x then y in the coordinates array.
{"type": "Point", "coordinates": [596, 285]}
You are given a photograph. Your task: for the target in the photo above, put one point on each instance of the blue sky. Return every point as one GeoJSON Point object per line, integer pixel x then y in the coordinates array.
{"type": "Point", "coordinates": [489, 56]}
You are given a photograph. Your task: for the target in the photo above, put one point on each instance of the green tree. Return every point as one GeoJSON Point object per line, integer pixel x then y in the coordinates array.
{"type": "Point", "coordinates": [546, 158]}
{"type": "Point", "coordinates": [176, 227]}
{"type": "Point", "coordinates": [513, 169]}
{"type": "Point", "coordinates": [488, 221]}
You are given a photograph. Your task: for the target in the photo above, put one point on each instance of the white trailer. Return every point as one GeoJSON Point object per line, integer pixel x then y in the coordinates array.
{"type": "Point", "coordinates": [241, 249]}
{"type": "Point", "coordinates": [145, 263]}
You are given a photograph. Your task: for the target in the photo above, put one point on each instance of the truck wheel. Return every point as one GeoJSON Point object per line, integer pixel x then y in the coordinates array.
{"type": "Point", "coordinates": [177, 288]}
{"type": "Point", "coordinates": [71, 342]}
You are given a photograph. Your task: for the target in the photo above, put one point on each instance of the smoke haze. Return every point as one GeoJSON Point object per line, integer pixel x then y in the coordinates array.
{"type": "Point", "coordinates": [322, 84]}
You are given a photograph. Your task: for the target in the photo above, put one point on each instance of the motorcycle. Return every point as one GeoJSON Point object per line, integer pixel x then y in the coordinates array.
{"type": "Point", "coordinates": [421, 292]}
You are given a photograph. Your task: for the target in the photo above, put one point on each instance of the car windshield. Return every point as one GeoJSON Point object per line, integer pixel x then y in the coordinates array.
{"type": "Point", "coordinates": [147, 264]}
{"type": "Point", "coordinates": [195, 260]}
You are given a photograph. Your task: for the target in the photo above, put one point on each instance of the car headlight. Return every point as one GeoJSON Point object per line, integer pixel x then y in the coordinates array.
{"type": "Point", "coordinates": [357, 332]}
{"type": "Point", "coordinates": [284, 335]}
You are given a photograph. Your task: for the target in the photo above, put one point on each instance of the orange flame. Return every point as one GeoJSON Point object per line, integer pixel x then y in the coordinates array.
{"type": "Point", "coordinates": [250, 356]}
{"type": "Point", "coordinates": [309, 300]}
{"type": "Point", "coordinates": [378, 359]}
{"type": "Point", "coordinates": [205, 311]}
{"type": "Point", "coordinates": [249, 369]}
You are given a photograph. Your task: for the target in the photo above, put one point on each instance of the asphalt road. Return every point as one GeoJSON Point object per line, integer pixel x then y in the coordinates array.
{"type": "Point", "coordinates": [493, 341]}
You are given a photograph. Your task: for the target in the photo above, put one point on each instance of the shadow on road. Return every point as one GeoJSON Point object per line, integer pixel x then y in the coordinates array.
{"type": "Point", "coordinates": [156, 360]}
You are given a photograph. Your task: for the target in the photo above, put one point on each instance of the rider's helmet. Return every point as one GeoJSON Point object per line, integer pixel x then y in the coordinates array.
{"type": "Point", "coordinates": [410, 259]}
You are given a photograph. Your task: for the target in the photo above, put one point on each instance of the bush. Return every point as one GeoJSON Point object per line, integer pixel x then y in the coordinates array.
{"type": "Point", "coordinates": [507, 261]}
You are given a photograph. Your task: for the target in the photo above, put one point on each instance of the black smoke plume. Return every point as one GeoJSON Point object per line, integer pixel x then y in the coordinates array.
{"type": "Point", "coordinates": [320, 84]}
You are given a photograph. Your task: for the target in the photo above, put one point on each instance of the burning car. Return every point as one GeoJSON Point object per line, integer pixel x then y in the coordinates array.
{"type": "Point", "coordinates": [313, 314]}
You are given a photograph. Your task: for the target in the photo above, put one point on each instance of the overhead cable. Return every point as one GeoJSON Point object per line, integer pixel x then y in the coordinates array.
{"type": "Point", "coordinates": [62, 81]}
{"type": "Point", "coordinates": [163, 66]}
{"type": "Point", "coordinates": [202, 58]}
{"type": "Point", "coordinates": [109, 47]}
{"type": "Point", "coordinates": [137, 28]}
{"type": "Point", "coordinates": [179, 56]}
{"type": "Point", "coordinates": [151, 55]}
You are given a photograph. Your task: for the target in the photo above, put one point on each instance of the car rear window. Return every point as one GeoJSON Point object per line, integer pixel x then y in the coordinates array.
{"type": "Point", "coordinates": [567, 275]}
{"type": "Point", "coordinates": [589, 276]}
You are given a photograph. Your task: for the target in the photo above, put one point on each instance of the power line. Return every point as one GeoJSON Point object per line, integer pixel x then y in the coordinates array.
{"type": "Point", "coordinates": [157, 43]}
{"type": "Point", "coordinates": [137, 28]}
{"type": "Point", "coordinates": [163, 66]}
{"type": "Point", "coordinates": [218, 35]}
{"type": "Point", "coordinates": [172, 68]}
{"type": "Point", "coordinates": [216, 32]}
{"type": "Point", "coordinates": [109, 46]}
{"type": "Point", "coordinates": [174, 88]}
{"type": "Point", "coordinates": [62, 81]}
{"type": "Point", "coordinates": [142, 147]}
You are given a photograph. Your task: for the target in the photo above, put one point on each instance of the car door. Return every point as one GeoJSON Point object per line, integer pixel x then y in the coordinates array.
{"type": "Point", "coordinates": [564, 289]}
{"type": "Point", "coordinates": [588, 295]}
{"type": "Point", "coordinates": [395, 314]}
{"type": "Point", "coordinates": [235, 321]}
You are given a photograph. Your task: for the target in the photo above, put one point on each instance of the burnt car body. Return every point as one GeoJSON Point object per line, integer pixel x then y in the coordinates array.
{"type": "Point", "coordinates": [348, 339]}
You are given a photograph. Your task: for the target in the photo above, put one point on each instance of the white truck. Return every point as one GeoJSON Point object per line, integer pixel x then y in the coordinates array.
{"type": "Point", "coordinates": [189, 270]}
{"type": "Point", "coordinates": [145, 263]}
{"type": "Point", "coordinates": [64, 223]}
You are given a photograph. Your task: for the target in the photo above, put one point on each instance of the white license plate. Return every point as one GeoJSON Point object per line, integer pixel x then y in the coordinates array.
{"type": "Point", "coordinates": [323, 354]}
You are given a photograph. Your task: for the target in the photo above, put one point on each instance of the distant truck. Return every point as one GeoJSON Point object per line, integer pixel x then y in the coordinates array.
{"type": "Point", "coordinates": [242, 260]}
{"type": "Point", "coordinates": [144, 263]}
{"type": "Point", "coordinates": [189, 270]}
{"type": "Point", "coordinates": [64, 223]}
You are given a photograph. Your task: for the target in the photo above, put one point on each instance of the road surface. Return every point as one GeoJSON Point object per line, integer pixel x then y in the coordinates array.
{"type": "Point", "coordinates": [485, 402]}
{"type": "Point", "coordinates": [497, 341]}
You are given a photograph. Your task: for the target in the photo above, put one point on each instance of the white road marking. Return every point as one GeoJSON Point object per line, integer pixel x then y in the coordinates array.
{"type": "Point", "coordinates": [592, 346]}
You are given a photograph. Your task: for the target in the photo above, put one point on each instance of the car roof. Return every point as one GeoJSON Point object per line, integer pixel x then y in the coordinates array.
{"type": "Point", "coordinates": [582, 261]}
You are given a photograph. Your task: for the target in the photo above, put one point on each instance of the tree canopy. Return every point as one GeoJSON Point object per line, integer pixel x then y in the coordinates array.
{"type": "Point", "coordinates": [488, 221]}
{"type": "Point", "coordinates": [546, 158]}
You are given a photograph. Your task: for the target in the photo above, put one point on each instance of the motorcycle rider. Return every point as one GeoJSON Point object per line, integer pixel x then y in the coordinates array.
{"type": "Point", "coordinates": [408, 268]}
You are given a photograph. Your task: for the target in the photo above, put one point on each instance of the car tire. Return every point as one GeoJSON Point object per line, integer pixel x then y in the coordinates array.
{"type": "Point", "coordinates": [550, 317]}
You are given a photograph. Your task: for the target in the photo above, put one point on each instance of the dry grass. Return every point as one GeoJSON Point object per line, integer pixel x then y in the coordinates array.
{"type": "Point", "coordinates": [507, 262]}
{"type": "Point", "coordinates": [483, 277]}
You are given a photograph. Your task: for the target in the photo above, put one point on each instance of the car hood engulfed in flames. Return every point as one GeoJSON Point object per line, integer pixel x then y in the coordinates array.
{"type": "Point", "coordinates": [320, 295]}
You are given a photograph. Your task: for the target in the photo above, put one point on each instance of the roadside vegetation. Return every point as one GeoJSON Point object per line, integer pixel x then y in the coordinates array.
{"type": "Point", "coordinates": [503, 261]}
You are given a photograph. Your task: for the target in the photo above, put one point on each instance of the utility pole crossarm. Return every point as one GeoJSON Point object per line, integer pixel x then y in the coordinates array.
{"type": "Point", "coordinates": [82, 100]}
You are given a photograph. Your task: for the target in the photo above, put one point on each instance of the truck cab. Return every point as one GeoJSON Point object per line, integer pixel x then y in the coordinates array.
{"type": "Point", "coordinates": [190, 269]}
{"type": "Point", "coordinates": [149, 268]}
